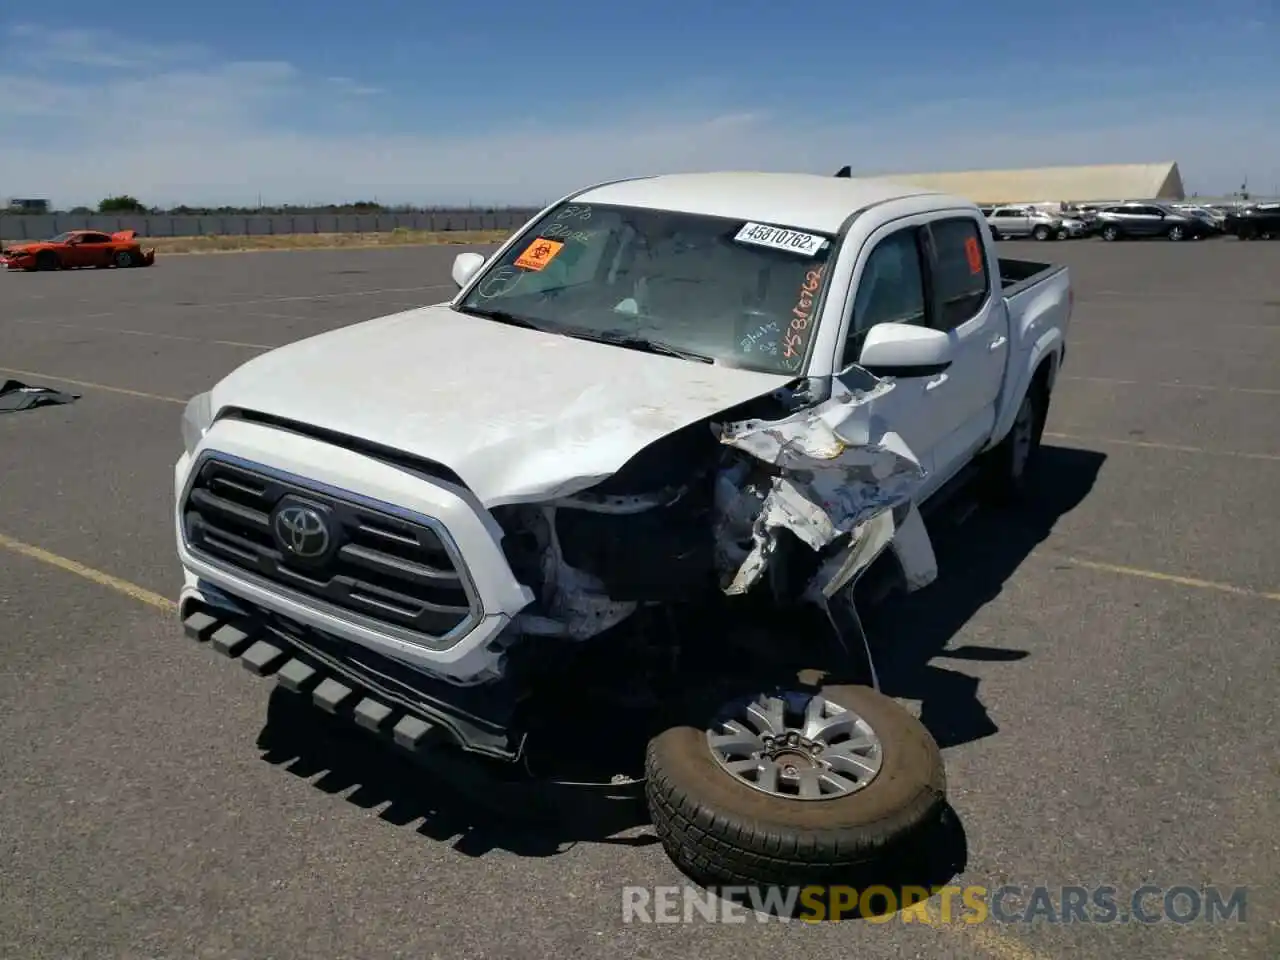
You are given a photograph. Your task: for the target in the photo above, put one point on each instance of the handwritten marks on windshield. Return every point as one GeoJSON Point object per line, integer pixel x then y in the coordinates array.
{"type": "Point", "coordinates": [569, 224]}
{"type": "Point", "coordinates": [796, 338]}
{"type": "Point", "coordinates": [499, 283]}
{"type": "Point", "coordinates": [761, 341]}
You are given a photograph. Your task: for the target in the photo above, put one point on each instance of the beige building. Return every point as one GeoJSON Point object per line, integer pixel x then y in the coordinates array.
{"type": "Point", "coordinates": [1137, 181]}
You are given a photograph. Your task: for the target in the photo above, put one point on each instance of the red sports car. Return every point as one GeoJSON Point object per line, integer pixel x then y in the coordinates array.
{"type": "Point", "coordinates": [78, 248]}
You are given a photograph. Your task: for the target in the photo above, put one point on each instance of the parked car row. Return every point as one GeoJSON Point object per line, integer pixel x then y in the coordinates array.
{"type": "Point", "coordinates": [1132, 220]}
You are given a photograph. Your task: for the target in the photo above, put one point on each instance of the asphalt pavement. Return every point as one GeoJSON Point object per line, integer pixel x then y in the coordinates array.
{"type": "Point", "coordinates": [1101, 669]}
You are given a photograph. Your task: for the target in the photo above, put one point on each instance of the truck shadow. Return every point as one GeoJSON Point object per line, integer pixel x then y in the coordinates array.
{"type": "Point", "coordinates": [456, 799]}
{"type": "Point", "coordinates": [478, 816]}
{"type": "Point", "coordinates": [978, 550]}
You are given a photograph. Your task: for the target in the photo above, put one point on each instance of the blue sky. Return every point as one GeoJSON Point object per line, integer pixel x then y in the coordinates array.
{"type": "Point", "coordinates": [520, 102]}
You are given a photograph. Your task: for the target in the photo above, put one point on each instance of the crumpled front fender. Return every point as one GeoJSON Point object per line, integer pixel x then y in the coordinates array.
{"type": "Point", "coordinates": [832, 478]}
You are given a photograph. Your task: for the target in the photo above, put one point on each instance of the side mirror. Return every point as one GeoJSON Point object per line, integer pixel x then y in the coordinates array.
{"type": "Point", "coordinates": [466, 266]}
{"type": "Point", "coordinates": [904, 350]}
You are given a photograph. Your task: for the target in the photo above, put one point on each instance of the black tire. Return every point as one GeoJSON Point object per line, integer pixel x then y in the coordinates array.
{"type": "Point", "coordinates": [995, 234]}
{"type": "Point", "coordinates": [1176, 233]}
{"type": "Point", "coordinates": [1042, 232]}
{"type": "Point", "coordinates": [720, 831]}
{"type": "Point", "coordinates": [1007, 472]}
{"type": "Point", "coordinates": [123, 259]}
{"type": "Point", "coordinates": [48, 260]}
{"type": "Point", "coordinates": [1110, 233]}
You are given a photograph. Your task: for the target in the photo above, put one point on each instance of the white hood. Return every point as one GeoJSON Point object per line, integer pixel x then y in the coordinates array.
{"type": "Point", "coordinates": [518, 414]}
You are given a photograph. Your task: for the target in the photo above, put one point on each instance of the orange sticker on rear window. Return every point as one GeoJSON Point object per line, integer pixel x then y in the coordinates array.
{"type": "Point", "coordinates": [974, 253]}
{"type": "Point", "coordinates": [538, 254]}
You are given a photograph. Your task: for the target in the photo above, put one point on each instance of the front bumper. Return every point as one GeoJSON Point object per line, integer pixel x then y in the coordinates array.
{"type": "Point", "coordinates": [414, 712]}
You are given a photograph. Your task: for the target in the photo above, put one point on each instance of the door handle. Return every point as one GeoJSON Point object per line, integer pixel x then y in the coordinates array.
{"type": "Point", "coordinates": [997, 343]}
{"type": "Point", "coordinates": [936, 382]}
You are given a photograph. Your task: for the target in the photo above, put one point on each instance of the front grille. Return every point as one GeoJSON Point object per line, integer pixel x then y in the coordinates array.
{"type": "Point", "coordinates": [379, 566]}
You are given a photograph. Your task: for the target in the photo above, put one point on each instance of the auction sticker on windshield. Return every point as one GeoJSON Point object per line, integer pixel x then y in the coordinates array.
{"type": "Point", "coordinates": [780, 238]}
{"type": "Point", "coordinates": [538, 254]}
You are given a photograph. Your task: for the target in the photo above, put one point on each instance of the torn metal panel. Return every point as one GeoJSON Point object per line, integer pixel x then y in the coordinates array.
{"type": "Point", "coordinates": [573, 598]}
{"type": "Point", "coordinates": [832, 480]}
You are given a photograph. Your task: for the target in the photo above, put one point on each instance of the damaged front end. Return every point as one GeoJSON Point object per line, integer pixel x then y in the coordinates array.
{"type": "Point", "coordinates": [797, 505]}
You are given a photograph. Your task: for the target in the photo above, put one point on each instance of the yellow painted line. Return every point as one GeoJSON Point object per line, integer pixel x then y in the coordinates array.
{"type": "Point", "coordinates": [998, 946]}
{"type": "Point", "coordinates": [131, 590]}
{"type": "Point", "coordinates": [1159, 577]}
{"type": "Point", "coordinates": [1173, 385]}
{"type": "Point", "coordinates": [89, 384]}
{"type": "Point", "coordinates": [1172, 447]}
{"type": "Point", "coordinates": [148, 333]}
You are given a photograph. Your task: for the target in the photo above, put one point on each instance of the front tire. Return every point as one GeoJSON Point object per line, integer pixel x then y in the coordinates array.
{"type": "Point", "coordinates": [1110, 233]}
{"type": "Point", "coordinates": [1042, 232]}
{"type": "Point", "coordinates": [1176, 233]}
{"type": "Point", "coordinates": [720, 829]}
{"type": "Point", "coordinates": [48, 260]}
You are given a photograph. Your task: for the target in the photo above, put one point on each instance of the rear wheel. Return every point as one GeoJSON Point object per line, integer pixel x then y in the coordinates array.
{"type": "Point", "coordinates": [1009, 466]}
{"type": "Point", "coordinates": [124, 259]}
{"type": "Point", "coordinates": [794, 788]}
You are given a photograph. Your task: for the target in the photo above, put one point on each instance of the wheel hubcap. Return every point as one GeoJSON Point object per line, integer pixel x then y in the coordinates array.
{"type": "Point", "coordinates": [796, 746]}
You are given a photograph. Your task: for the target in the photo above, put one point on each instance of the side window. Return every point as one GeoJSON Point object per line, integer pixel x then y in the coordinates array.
{"type": "Point", "coordinates": [960, 277]}
{"type": "Point", "coordinates": [891, 289]}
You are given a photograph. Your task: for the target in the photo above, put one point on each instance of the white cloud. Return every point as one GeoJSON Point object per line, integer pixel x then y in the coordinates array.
{"type": "Point", "coordinates": [37, 46]}
{"type": "Point", "coordinates": [354, 88]}
{"type": "Point", "coordinates": [173, 127]}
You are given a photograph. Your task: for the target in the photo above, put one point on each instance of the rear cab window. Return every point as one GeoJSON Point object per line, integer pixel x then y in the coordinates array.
{"type": "Point", "coordinates": [961, 276]}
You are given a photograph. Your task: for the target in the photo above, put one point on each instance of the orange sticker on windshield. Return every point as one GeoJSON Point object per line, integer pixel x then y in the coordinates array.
{"type": "Point", "coordinates": [538, 254]}
{"type": "Point", "coordinates": [974, 254]}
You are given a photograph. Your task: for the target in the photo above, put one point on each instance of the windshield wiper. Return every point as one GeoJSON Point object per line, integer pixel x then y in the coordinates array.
{"type": "Point", "coordinates": [633, 342]}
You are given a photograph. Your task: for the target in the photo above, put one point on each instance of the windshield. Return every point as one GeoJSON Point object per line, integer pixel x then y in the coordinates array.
{"type": "Point", "coordinates": [61, 238]}
{"type": "Point", "coordinates": [726, 291]}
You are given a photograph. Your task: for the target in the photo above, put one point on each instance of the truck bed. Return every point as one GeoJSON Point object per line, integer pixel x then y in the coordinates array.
{"type": "Point", "coordinates": [1017, 275]}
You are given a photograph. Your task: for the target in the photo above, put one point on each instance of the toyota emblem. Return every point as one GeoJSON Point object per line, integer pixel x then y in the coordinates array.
{"type": "Point", "coordinates": [302, 531]}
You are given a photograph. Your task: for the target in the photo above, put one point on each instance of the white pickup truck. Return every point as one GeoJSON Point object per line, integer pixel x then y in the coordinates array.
{"type": "Point", "coordinates": [606, 508]}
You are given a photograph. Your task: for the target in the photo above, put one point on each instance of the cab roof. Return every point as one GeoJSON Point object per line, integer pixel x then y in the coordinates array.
{"type": "Point", "coordinates": [803, 200]}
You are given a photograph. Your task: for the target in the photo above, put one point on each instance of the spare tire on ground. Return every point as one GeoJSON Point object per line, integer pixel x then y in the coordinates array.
{"type": "Point", "coordinates": [794, 788]}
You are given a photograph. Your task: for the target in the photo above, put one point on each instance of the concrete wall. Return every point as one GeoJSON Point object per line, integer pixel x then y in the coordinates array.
{"type": "Point", "coordinates": [38, 227]}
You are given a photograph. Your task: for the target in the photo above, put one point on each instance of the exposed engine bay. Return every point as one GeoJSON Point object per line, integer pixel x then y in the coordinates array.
{"type": "Point", "coordinates": [789, 497]}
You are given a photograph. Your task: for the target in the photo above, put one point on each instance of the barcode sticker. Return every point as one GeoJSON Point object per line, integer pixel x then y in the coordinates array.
{"type": "Point", "coordinates": [780, 238]}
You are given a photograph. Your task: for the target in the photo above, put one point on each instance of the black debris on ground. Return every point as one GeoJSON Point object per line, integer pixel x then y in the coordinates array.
{"type": "Point", "coordinates": [15, 396]}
